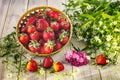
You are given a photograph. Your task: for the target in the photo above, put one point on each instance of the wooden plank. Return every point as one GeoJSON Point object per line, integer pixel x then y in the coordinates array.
{"type": "Point", "coordinates": [95, 73]}
{"type": "Point", "coordinates": [36, 3]}
{"type": "Point", "coordinates": [82, 73]}
{"type": "Point", "coordinates": [16, 9]}
{"type": "Point", "coordinates": [4, 4]}
{"type": "Point", "coordinates": [56, 3]}
{"type": "Point", "coordinates": [105, 73]}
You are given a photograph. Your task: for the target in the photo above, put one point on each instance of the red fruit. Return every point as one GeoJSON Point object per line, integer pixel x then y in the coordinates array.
{"type": "Point", "coordinates": [58, 66]}
{"type": "Point", "coordinates": [53, 14]}
{"type": "Point", "coordinates": [36, 36]}
{"type": "Point", "coordinates": [31, 29]}
{"type": "Point", "coordinates": [34, 46]}
{"type": "Point", "coordinates": [41, 42]}
{"type": "Point", "coordinates": [64, 40]}
{"type": "Point", "coordinates": [62, 19]}
{"type": "Point", "coordinates": [49, 34]}
{"type": "Point", "coordinates": [55, 26]}
{"type": "Point", "coordinates": [49, 47]}
{"type": "Point", "coordinates": [42, 25]}
{"type": "Point", "coordinates": [64, 37]}
{"type": "Point", "coordinates": [23, 29]}
{"type": "Point", "coordinates": [32, 66]}
{"type": "Point", "coordinates": [24, 39]}
{"type": "Point", "coordinates": [58, 45]}
{"type": "Point", "coordinates": [65, 25]}
{"type": "Point", "coordinates": [47, 62]}
{"type": "Point", "coordinates": [101, 60]}
{"type": "Point", "coordinates": [31, 21]}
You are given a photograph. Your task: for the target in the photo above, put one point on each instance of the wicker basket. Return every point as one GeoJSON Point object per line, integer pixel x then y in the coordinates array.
{"type": "Point", "coordinates": [32, 11]}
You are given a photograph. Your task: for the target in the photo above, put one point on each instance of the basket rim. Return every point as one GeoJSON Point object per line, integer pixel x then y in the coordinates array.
{"type": "Point", "coordinates": [37, 8]}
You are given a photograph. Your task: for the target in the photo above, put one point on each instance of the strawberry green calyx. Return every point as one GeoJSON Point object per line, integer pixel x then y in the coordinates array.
{"type": "Point", "coordinates": [49, 29]}
{"type": "Point", "coordinates": [34, 43]}
{"type": "Point", "coordinates": [63, 35]}
{"type": "Point", "coordinates": [50, 43]}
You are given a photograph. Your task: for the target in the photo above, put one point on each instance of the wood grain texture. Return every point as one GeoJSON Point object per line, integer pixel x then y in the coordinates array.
{"type": "Point", "coordinates": [82, 73]}
{"type": "Point", "coordinates": [4, 4]}
{"type": "Point", "coordinates": [56, 3]}
{"type": "Point", "coordinates": [13, 15]}
{"type": "Point", "coordinates": [36, 3]}
{"type": "Point", "coordinates": [95, 73]}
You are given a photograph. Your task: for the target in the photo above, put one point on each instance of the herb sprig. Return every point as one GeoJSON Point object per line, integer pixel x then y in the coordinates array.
{"type": "Point", "coordinates": [12, 54]}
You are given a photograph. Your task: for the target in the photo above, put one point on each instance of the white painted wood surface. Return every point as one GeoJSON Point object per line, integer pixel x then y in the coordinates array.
{"type": "Point", "coordinates": [10, 12]}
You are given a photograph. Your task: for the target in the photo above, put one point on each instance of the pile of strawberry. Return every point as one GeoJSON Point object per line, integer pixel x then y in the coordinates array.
{"type": "Point", "coordinates": [45, 31]}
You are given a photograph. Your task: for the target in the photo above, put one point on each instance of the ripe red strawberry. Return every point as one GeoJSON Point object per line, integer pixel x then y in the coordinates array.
{"type": "Point", "coordinates": [53, 14]}
{"type": "Point", "coordinates": [31, 29]}
{"type": "Point", "coordinates": [24, 39]}
{"type": "Point", "coordinates": [42, 25]}
{"type": "Point", "coordinates": [62, 19]}
{"type": "Point", "coordinates": [41, 42]}
{"type": "Point", "coordinates": [58, 66]}
{"type": "Point", "coordinates": [55, 26]}
{"type": "Point", "coordinates": [32, 66]}
{"type": "Point", "coordinates": [36, 36]}
{"type": "Point", "coordinates": [49, 47]}
{"type": "Point", "coordinates": [101, 60]}
{"type": "Point", "coordinates": [64, 40]}
{"type": "Point", "coordinates": [58, 45]}
{"type": "Point", "coordinates": [34, 46]}
{"type": "Point", "coordinates": [47, 62]}
{"type": "Point", "coordinates": [65, 25]}
{"type": "Point", "coordinates": [48, 34]}
{"type": "Point", "coordinates": [31, 21]}
{"type": "Point", "coordinates": [64, 37]}
{"type": "Point", "coordinates": [23, 29]}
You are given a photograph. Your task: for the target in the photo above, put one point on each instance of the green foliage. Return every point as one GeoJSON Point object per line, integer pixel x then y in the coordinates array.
{"type": "Point", "coordinates": [97, 22]}
{"type": "Point", "coordinates": [12, 54]}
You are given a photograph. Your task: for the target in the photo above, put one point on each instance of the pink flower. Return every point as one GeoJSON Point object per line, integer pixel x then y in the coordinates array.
{"type": "Point", "coordinates": [76, 58]}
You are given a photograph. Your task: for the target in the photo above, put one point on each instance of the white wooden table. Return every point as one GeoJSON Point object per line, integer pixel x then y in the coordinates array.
{"type": "Point", "coordinates": [12, 10]}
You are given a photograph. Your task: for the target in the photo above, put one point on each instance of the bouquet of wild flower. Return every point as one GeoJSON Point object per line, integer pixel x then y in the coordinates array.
{"type": "Point", "coordinates": [98, 24]}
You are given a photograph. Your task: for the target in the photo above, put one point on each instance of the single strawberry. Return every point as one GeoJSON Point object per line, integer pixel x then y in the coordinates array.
{"type": "Point", "coordinates": [65, 40]}
{"type": "Point", "coordinates": [58, 45]}
{"type": "Point", "coordinates": [36, 36]}
{"type": "Point", "coordinates": [55, 26]}
{"type": "Point", "coordinates": [53, 14]}
{"type": "Point", "coordinates": [49, 47]}
{"type": "Point", "coordinates": [58, 66]}
{"type": "Point", "coordinates": [42, 25]}
{"type": "Point", "coordinates": [64, 37]}
{"type": "Point", "coordinates": [31, 21]}
{"type": "Point", "coordinates": [48, 34]}
{"type": "Point", "coordinates": [34, 46]}
{"type": "Point", "coordinates": [23, 29]}
{"type": "Point", "coordinates": [32, 66]}
{"type": "Point", "coordinates": [24, 39]}
{"type": "Point", "coordinates": [31, 29]}
{"type": "Point", "coordinates": [101, 60]}
{"type": "Point", "coordinates": [47, 62]}
{"type": "Point", "coordinates": [65, 25]}
{"type": "Point", "coordinates": [62, 19]}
